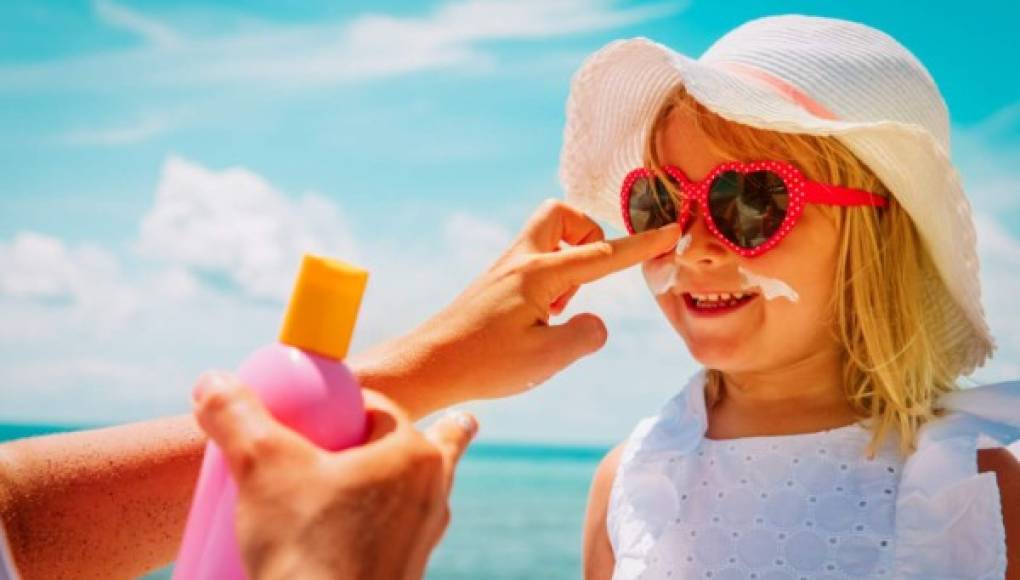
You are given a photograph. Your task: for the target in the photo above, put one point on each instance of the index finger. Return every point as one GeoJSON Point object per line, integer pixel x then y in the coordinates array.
{"type": "Point", "coordinates": [589, 262]}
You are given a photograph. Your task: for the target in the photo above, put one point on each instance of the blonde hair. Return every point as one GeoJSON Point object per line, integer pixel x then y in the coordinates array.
{"type": "Point", "coordinates": [894, 365]}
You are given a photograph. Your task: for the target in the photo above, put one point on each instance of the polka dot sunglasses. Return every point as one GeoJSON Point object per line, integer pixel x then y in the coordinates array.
{"type": "Point", "coordinates": [749, 207]}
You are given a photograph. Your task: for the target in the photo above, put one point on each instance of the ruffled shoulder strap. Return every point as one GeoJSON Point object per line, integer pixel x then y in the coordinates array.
{"type": "Point", "coordinates": [948, 516]}
{"type": "Point", "coordinates": [643, 496]}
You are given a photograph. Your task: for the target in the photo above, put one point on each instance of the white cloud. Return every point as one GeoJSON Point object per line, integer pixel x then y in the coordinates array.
{"type": "Point", "coordinates": [115, 388]}
{"type": "Point", "coordinates": [138, 131]}
{"type": "Point", "coordinates": [368, 47]}
{"type": "Point", "coordinates": [85, 277]}
{"type": "Point", "coordinates": [36, 266]}
{"type": "Point", "coordinates": [150, 29]}
{"type": "Point", "coordinates": [452, 34]}
{"type": "Point", "coordinates": [235, 223]}
{"type": "Point", "coordinates": [507, 19]}
{"type": "Point", "coordinates": [986, 154]}
{"type": "Point", "coordinates": [476, 241]}
{"type": "Point", "coordinates": [999, 123]}
{"type": "Point", "coordinates": [999, 255]}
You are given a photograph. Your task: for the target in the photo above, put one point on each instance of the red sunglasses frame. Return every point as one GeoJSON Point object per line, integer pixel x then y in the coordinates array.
{"type": "Point", "coordinates": [801, 190]}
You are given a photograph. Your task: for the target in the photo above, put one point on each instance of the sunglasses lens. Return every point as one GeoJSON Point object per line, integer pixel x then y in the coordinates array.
{"type": "Point", "coordinates": [748, 208]}
{"type": "Point", "coordinates": [651, 206]}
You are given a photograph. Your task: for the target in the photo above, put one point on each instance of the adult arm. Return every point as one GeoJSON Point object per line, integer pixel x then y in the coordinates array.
{"type": "Point", "coordinates": [105, 503]}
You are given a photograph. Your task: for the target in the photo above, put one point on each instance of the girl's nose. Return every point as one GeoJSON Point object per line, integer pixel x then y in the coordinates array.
{"type": "Point", "coordinates": [704, 248]}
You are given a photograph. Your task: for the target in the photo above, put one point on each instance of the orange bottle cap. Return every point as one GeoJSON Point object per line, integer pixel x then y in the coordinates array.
{"type": "Point", "coordinates": [324, 306]}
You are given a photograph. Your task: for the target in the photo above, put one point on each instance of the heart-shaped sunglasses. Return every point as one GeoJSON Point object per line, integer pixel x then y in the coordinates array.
{"type": "Point", "coordinates": [748, 206]}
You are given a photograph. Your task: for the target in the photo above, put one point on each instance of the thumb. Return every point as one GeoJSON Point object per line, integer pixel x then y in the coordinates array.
{"type": "Point", "coordinates": [583, 334]}
{"type": "Point", "coordinates": [451, 434]}
{"type": "Point", "coordinates": [235, 419]}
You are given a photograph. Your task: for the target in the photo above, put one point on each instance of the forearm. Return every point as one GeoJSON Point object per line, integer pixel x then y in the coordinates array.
{"type": "Point", "coordinates": [105, 503]}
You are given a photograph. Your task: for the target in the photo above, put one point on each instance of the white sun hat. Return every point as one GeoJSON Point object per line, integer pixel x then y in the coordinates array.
{"type": "Point", "coordinates": [795, 74]}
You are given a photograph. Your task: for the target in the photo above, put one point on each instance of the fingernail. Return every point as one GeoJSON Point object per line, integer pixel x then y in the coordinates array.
{"type": "Point", "coordinates": [208, 382]}
{"type": "Point", "coordinates": [463, 420]}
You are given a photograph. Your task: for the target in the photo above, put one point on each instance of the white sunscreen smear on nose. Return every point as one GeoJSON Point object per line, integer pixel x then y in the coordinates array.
{"type": "Point", "coordinates": [681, 245]}
{"type": "Point", "coordinates": [770, 287]}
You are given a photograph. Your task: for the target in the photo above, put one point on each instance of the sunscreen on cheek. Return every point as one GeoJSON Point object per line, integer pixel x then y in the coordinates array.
{"type": "Point", "coordinates": [770, 287]}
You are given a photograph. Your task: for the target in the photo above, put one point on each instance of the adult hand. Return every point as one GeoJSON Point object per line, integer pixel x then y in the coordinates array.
{"type": "Point", "coordinates": [495, 339]}
{"type": "Point", "coordinates": [373, 511]}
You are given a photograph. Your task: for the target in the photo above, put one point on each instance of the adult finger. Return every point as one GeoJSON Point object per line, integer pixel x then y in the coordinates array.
{"type": "Point", "coordinates": [557, 221]}
{"type": "Point", "coordinates": [583, 334]}
{"type": "Point", "coordinates": [240, 425]}
{"type": "Point", "coordinates": [451, 434]}
{"type": "Point", "coordinates": [589, 262]}
{"type": "Point", "coordinates": [561, 303]}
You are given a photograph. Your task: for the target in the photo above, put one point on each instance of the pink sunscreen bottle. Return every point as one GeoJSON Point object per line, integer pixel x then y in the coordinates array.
{"type": "Point", "coordinates": [303, 382]}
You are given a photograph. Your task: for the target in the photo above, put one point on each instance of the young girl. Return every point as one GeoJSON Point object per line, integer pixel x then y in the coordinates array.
{"type": "Point", "coordinates": [828, 283]}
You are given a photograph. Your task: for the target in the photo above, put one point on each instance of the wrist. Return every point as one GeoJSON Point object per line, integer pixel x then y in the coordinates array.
{"type": "Point", "coordinates": [407, 369]}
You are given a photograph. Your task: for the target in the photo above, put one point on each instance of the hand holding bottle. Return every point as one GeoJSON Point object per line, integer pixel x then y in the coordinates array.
{"type": "Point", "coordinates": [373, 511]}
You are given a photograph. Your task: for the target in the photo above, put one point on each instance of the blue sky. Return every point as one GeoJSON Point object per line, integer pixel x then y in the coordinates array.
{"type": "Point", "coordinates": [162, 164]}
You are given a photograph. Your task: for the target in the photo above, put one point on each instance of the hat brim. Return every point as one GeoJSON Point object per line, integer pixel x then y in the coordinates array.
{"type": "Point", "coordinates": [618, 90]}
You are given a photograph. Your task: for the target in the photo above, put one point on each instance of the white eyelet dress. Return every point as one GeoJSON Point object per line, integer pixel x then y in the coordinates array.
{"type": "Point", "coordinates": [812, 505]}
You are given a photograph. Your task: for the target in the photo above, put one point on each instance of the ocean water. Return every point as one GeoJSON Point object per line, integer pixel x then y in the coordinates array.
{"type": "Point", "coordinates": [517, 511]}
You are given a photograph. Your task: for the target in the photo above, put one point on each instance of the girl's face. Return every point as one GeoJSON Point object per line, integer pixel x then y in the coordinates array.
{"type": "Point", "coordinates": [791, 326]}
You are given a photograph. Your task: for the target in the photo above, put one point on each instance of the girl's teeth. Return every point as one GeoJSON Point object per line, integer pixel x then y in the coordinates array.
{"type": "Point", "coordinates": [720, 299]}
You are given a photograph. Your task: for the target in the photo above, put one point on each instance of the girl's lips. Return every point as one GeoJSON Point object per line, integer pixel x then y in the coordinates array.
{"type": "Point", "coordinates": [715, 310]}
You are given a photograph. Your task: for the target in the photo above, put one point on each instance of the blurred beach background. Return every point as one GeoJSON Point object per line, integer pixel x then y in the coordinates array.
{"type": "Point", "coordinates": [163, 165]}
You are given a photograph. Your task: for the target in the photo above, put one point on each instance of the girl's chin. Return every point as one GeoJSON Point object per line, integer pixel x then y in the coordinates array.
{"type": "Point", "coordinates": [714, 353]}
{"type": "Point", "coordinates": [714, 341]}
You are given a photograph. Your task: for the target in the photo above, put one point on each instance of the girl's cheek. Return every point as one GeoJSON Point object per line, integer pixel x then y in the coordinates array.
{"type": "Point", "coordinates": [660, 273]}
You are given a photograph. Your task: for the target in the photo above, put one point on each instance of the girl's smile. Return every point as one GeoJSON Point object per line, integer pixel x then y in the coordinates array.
{"type": "Point", "coordinates": [714, 304]}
